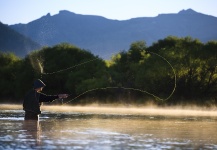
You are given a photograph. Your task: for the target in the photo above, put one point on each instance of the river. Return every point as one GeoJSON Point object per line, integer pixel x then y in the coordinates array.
{"type": "Point", "coordinates": [102, 128]}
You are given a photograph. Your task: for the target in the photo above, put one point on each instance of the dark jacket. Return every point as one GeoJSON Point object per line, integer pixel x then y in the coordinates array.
{"type": "Point", "coordinates": [33, 100]}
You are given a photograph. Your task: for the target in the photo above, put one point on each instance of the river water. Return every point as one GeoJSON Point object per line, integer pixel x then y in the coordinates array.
{"type": "Point", "coordinates": [95, 128]}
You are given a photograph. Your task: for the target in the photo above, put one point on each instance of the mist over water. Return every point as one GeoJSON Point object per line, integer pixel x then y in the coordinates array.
{"type": "Point", "coordinates": [100, 127]}
{"type": "Point", "coordinates": [121, 109]}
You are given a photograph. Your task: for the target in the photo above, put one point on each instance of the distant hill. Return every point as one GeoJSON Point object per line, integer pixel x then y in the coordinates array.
{"type": "Point", "coordinates": [12, 41]}
{"type": "Point", "coordinates": [104, 36]}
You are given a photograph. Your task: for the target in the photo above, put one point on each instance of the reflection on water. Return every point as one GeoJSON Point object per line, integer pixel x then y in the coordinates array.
{"type": "Point", "coordinates": [77, 130]}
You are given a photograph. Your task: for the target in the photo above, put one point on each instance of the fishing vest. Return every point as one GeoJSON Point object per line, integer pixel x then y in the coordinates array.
{"type": "Point", "coordinates": [31, 102]}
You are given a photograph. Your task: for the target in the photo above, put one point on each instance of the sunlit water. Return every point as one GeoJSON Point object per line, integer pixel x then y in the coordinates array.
{"type": "Point", "coordinates": [82, 129]}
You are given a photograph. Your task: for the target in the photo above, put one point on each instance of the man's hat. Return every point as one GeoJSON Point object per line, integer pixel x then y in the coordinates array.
{"type": "Point", "coordinates": [38, 84]}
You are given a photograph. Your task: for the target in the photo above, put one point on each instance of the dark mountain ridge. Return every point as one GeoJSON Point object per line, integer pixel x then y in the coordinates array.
{"type": "Point", "coordinates": [104, 36]}
{"type": "Point", "coordinates": [12, 41]}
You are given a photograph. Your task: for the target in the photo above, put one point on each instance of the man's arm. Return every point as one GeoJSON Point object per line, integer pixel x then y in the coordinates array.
{"type": "Point", "coordinates": [47, 98]}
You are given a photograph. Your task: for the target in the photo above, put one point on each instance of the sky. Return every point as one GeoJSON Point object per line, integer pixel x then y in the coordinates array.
{"type": "Point", "coordinates": [24, 11]}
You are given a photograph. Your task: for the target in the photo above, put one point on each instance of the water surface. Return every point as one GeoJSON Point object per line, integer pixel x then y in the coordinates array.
{"type": "Point", "coordinates": [83, 129]}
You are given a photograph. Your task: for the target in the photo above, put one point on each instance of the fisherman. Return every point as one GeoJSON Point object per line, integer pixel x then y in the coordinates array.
{"type": "Point", "coordinates": [34, 98]}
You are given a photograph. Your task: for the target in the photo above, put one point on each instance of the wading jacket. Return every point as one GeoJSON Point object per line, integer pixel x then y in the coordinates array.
{"type": "Point", "coordinates": [33, 100]}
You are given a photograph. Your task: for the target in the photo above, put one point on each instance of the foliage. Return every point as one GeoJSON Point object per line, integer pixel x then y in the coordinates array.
{"type": "Point", "coordinates": [9, 66]}
{"type": "Point", "coordinates": [194, 64]}
{"type": "Point", "coordinates": [148, 70]}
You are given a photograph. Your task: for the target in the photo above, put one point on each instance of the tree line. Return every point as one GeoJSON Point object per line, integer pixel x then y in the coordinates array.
{"type": "Point", "coordinates": [183, 68]}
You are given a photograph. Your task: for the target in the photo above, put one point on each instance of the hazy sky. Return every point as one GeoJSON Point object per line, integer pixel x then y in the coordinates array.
{"type": "Point", "coordinates": [24, 11]}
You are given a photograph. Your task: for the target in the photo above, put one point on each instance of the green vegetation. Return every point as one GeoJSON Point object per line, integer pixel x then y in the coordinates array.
{"type": "Point", "coordinates": [133, 73]}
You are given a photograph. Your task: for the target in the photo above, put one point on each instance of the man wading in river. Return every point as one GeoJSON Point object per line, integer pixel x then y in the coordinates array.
{"type": "Point", "coordinates": [34, 98]}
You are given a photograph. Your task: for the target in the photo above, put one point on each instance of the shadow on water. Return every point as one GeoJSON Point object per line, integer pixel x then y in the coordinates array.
{"type": "Point", "coordinates": [88, 130]}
